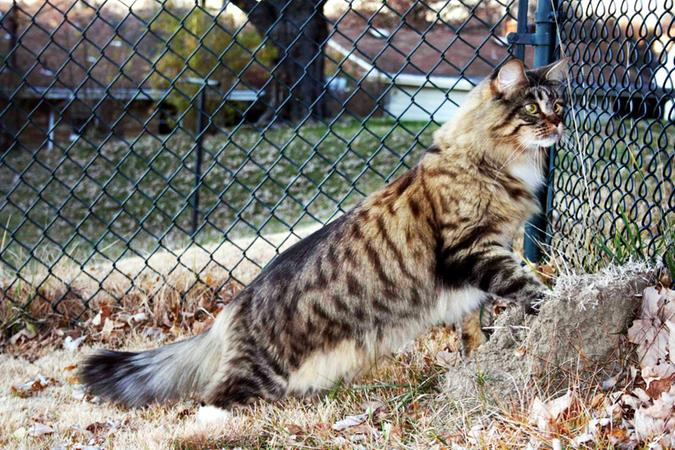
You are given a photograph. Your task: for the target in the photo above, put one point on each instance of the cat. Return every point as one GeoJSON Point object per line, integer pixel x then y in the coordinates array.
{"type": "Point", "coordinates": [425, 249]}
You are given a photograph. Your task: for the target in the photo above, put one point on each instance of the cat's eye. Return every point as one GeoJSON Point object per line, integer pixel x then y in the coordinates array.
{"type": "Point", "coordinates": [558, 108]}
{"type": "Point", "coordinates": [531, 108]}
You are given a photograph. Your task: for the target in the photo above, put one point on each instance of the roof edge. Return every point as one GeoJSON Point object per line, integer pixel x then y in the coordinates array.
{"type": "Point", "coordinates": [375, 74]}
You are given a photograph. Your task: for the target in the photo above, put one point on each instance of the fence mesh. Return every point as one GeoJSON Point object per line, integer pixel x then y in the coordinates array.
{"type": "Point", "coordinates": [166, 148]}
{"type": "Point", "coordinates": [613, 178]}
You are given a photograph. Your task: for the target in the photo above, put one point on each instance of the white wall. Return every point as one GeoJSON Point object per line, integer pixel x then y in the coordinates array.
{"type": "Point", "coordinates": [407, 103]}
{"type": "Point", "coordinates": [665, 78]}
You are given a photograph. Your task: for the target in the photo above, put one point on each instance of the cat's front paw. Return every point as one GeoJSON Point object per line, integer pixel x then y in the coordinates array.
{"type": "Point", "coordinates": [532, 303]}
{"type": "Point", "coordinates": [531, 308]}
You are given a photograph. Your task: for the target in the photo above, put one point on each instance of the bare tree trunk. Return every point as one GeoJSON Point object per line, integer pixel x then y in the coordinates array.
{"type": "Point", "coordinates": [298, 30]}
{"type": "Point", "coordinates": [10, 125]}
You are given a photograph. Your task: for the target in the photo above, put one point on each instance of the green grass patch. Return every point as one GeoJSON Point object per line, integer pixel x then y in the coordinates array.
{"type": "Point", "coordinates": [82, 201]}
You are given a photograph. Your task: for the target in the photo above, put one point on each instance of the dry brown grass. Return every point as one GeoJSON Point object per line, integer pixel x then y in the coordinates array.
{"type": "Point", "coordinates": [415, 408]}
{"type": "Point", "coordinates": [417, 412]}
{"type": "Point", "coordinates": [170, 287]}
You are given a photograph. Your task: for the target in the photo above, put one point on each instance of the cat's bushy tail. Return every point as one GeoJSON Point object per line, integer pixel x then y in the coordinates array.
{"type": "Point", "coordinates": [170, 372]}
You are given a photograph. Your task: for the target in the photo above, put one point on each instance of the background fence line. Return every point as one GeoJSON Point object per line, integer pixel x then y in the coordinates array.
{"type": "Point", "coordinates": [141, 142]}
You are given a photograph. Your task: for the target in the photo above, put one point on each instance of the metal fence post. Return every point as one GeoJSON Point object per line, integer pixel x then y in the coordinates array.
{"type": "Point", "coordinates": [521, 21]}
{"type": "Point", "coordinates": [199, 145]}
{"type": "Point", "coordinates": [201, 126]}
{"type": "Point", "coordinates": [536, 231]}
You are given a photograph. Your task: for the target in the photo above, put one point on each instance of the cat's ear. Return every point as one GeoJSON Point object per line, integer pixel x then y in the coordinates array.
{"type": "Point", "coordinates": [556, 71]}
{"type": "Point", "coordinates": [510, 77]}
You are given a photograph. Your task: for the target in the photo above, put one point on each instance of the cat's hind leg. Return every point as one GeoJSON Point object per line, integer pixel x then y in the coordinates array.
{"type": "Point", "coordinates": [472, 332]}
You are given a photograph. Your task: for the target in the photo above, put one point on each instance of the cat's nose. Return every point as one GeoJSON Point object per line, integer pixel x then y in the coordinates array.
{"type": "Point", "coordinates": [556, 129]}
{"type": "Point", "coordinates": [555, 121]}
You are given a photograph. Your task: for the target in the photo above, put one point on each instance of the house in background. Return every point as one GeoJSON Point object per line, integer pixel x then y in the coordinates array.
{"type": "Point", "coordinates": [406, 73]}
{"type": "Point", "coordinates": [422, 75]}
{"type": "Point", "coordinates": [58, 83]}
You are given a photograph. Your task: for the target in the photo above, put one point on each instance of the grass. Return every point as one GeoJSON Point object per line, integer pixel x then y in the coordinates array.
{"type": "Point", "coordinates": [84, 204]}
{"type": "Point", "coordinates": [409, 386]}
{"type": "Point", "coordinates": [406, 385]}
{"type": "Point", "coordinates": [143, 189]}
{"type": "Point", "coordinates": [412, 406]}
{"type": "Point", "coordinates": [271, 181]}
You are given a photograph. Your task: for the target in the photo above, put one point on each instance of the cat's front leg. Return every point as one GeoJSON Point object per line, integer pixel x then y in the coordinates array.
{"type": "Point", "coordinates": [495, 269]}
{"type": "Point", "coordinates": [498, 272]}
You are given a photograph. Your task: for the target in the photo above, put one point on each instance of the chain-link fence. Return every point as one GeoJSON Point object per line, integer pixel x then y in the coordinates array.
{"type": "Point", "coordinates": [153, 147]}
{"type": "Point", "coordinates": [612, 186]}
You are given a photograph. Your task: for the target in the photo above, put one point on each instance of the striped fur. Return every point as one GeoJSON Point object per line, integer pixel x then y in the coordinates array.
{"type": "Point", "coordinates": [428, 248]}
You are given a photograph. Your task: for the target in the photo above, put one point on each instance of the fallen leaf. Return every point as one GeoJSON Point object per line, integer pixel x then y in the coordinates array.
{"type": "Point", "coordinates": [662, 370]}
{"type": "Point", "coordinates": [651, 301]}
{"type": "Point", "coordinates": [154, 333]}
{"type": "Point", "coordinates": [547, 272]}
{"type": "Point", "coordinates": [39, 429]}
{"type": "Point", "coordinates": [32, 387]}
{"type": "Point", "coordinates": [71, 344]}
{"type": "Point", "coordinates": [97, 427]}
{"type": "Point", "coordinates": [24, 334]}
{"type": "Point", "coordinates": [662, 408]}
{"type": "Point", "coordinates": [138, 317]}
{"type": "Point", "coordinates": [79, 392]}
{"type": "Point", "coordinates": [647, 426]}
{"type": "Point", "coordinates": [108, 327]}
{"type": "Point", "coordinates": [350, 421]}
{"type": "Point", "coordinates": [545, 415]}
{"type": "Point", "coordinates": [294, 429]}
{"type": "Point", "coordinates": [102, 429]}
{"type": "Point", "coordinates": [583, 439]}
{"type": "Point", "coordinates": [340, 441]}
{"type": "Point", "coordinates": [618, 435]}
{"type": "Point", "coordinates": [657, 387]}
{"type": "Point", "coordinates": [641, 394]}
{"type": "Point", "coordinates": [211, 415]}
{"type": "Point", "coordinates": [374, 407]}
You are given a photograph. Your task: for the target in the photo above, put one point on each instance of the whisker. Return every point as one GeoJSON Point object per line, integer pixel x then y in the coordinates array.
{"type": "Point", "coordinates": [516, 153]}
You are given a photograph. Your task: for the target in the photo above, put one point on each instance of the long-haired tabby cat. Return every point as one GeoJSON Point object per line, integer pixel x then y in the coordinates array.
{"type": "Point", "coordinates": [427, 248]}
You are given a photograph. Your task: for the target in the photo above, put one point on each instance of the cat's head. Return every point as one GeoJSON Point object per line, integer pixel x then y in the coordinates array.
{"type": "Point", "coordinates": [527, 106]}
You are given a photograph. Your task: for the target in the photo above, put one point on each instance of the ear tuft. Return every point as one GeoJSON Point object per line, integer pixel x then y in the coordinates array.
{"type": "Point", "coordinates": [510, 76]}
{"type": "Point", "coordinates": [556, 71]}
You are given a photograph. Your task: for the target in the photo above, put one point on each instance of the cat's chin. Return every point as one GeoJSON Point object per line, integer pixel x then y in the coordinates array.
{"type": "Point", "coordinates": [537, 144]}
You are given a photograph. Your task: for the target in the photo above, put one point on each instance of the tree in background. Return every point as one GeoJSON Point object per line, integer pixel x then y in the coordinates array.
{"type": "Point", "coordinates": [298, 30]}
{"type": "Point", "coordinates": [9, 76]}
{"type": "Point", "coordinates": [199, 45]}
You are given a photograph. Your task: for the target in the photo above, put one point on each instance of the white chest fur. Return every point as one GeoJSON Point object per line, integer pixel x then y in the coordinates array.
{"type": "Point", "coordinates": [454, 304]}
{"type": "Point", "coordinates": [529, 172]}
{"type": "Point", "coordinates": [323, 368]}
